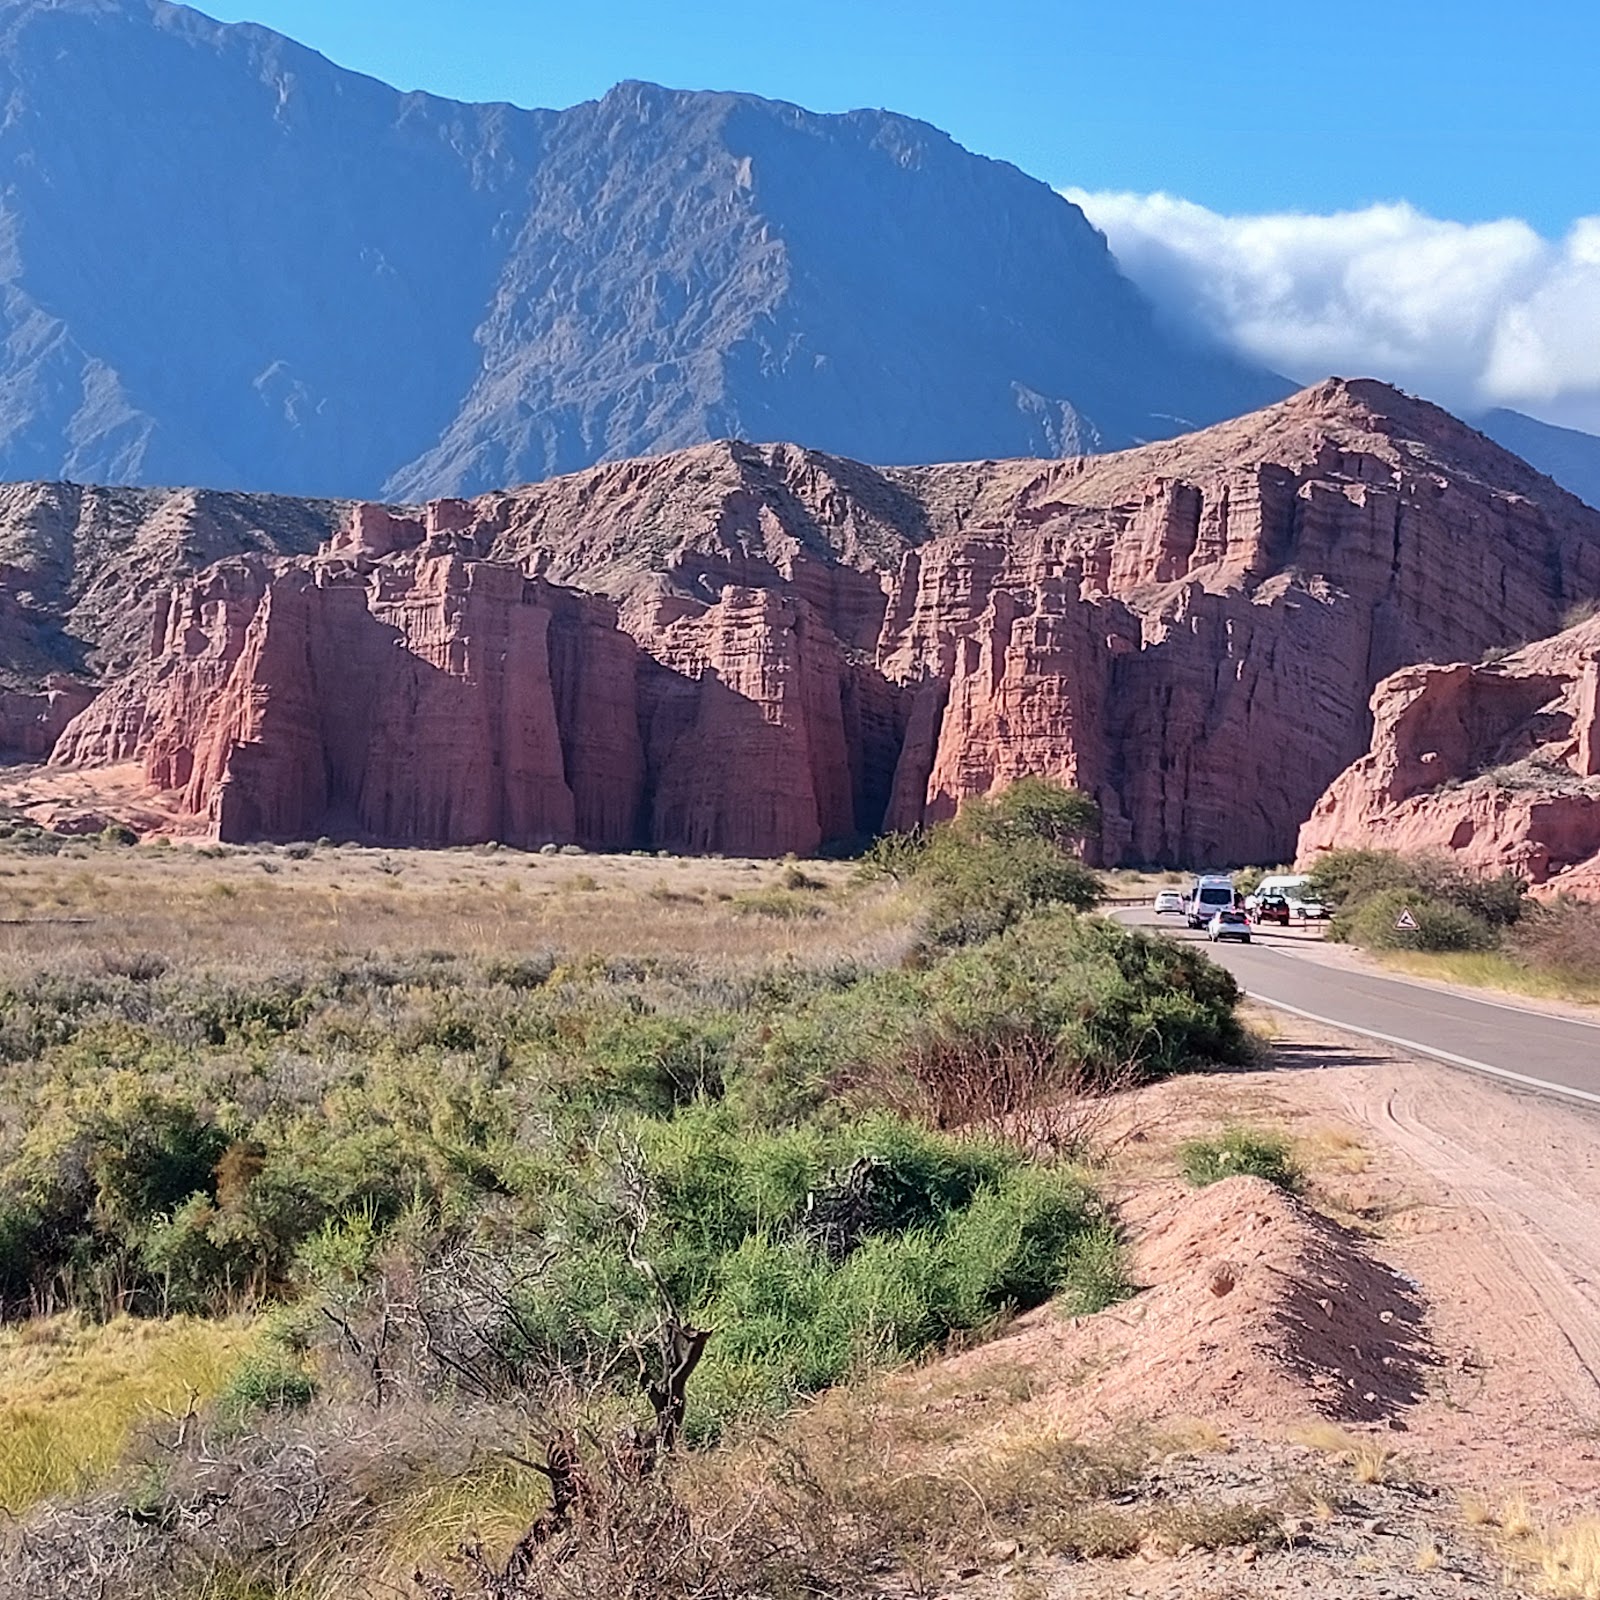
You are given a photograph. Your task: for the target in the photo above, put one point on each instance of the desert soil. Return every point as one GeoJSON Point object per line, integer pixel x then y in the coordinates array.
{"type": "Point", "coordinates": [1400, 1360]}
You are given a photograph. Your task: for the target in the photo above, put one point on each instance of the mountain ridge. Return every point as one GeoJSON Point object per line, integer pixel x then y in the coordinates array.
{"type": "Point", "coordinates": [1569, 455]}
{"type": "Point", "coordinates": [324, 286]}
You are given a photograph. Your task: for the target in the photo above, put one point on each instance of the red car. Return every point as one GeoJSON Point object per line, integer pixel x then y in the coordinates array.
{"type": "Point", "coordinates": [1271, 908]}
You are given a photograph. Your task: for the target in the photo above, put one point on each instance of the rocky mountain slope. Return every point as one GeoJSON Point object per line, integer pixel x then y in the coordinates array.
{"type": "Point", "coordinates": [81, 570]}
{"type": "Point", "coordinates": [1569, 455]}
{"type": "Point", "coordinates": [252, 269]}
{"type": "Point", "coordinates": [1498, 764]}
{"type": "Point", "coordinates": [760, 649]}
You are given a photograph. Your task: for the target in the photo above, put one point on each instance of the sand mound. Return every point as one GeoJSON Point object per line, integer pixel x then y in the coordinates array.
{"type": "Point", "coordinates": [1254, 1309]}
{"type": "Point", "coordinates": [1258, 1304]}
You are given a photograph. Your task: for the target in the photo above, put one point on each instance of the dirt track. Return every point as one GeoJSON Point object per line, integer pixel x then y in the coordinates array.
{"type": "Point", "coordinates": [1490, 1198]}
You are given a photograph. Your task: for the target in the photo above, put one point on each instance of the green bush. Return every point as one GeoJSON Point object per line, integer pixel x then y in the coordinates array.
{"type": "Point", "coordinates": [1032, 808]}
{"type": "Point", "coordinates": [791, 1320]}
{"type": "Point", "coordinates": [1240, 1151]}
{"type": "Point", "coordinates": [271, 1380]}
{"type": "Point", "coordinates": [979, 887]}
{"type": "Point", "coordinates": [1096, 1273]}
{"type": "Point", "coordinates": [1349, 879]}
{"type": "Point", "coordinates": [1373, 924]}
{"type": "Point", "coordinates": [996, 862]}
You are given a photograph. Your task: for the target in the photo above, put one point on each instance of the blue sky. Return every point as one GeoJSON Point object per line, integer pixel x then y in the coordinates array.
{"type": "Point", "coordinates": [1466, 109]}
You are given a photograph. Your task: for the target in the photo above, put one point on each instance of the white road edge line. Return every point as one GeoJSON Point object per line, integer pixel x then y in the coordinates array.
{"type": "Point", "coordinates": [1454, 991]}
{"type": "Point", "coordinates": [1429, 1050]}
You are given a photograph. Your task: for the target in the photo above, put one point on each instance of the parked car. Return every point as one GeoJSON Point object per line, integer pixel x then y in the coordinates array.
{"type": "Point", "coordinates": [1287, 884]}
{"type": "Point", "coordinates": [1271, 908]}
{"type": "Point", "coordinates": [1169, 902]}
{"type": "Point", "coordinates": [1307, 909]}
{"type": "Point", "coordinates": [1229, 925]}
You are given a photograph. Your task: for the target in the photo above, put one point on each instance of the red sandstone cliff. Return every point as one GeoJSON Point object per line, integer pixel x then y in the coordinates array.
{"type": "Point", "coordinates": [410, 698]}
{"type": "Point", "coordinates": [759, 649]}
{"type": "Point", "coordinates": [1498, 764]}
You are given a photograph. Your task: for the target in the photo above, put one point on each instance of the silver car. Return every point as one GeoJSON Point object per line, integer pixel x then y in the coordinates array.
{"type": "Point", "coordinates": [1229, 925]}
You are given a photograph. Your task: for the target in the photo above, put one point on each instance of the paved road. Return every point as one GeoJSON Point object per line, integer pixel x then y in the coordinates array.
{"type": "Point", "coordinates": [1528, 1047]}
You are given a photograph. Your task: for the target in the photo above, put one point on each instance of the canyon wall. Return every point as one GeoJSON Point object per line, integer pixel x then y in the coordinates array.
{"type": "Point", "coordinates": [1496, 764]}
{"type": "Point", "coordinates": [759, 649]}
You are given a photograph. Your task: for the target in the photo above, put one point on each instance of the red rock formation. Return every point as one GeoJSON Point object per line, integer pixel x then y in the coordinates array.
{"type": "Point", "coordinates": [31, 722]}
{"type": "Point", "coordinates": [802, 648]}
{"type": "Point", "coordinates": [1494, 763]}
{"type": "Point", "coordinates": [411, 699]}
{"type": "Point", "coordinates": [397, 687]}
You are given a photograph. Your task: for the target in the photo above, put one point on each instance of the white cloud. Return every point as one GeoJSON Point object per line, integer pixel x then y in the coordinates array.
{"type": "Point", "coordinates": [1470, 314]}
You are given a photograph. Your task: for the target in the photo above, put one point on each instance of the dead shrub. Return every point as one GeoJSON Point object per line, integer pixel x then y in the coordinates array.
{"type": "Point", "coordinates": [1021, 1087]}
{"type": "Point", "coordinates": [205, 1505]}
{"type": "Point", "coordinates": [1562, 937]}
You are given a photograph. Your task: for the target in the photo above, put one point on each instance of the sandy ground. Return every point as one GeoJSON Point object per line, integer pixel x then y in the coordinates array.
{"type": "Point", "coordinates": [1416, 1334]}
{"type": "Point", "coordinates": [1438, 1287]}
{"type": "Point", "coordinates": [1490, 1199]}
{"type": "Point", "coordinates": [73, 800]}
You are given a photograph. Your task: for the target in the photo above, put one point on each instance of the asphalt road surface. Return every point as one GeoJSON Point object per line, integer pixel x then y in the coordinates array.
{"type": "Point", "coordinates": [1532, 1048]}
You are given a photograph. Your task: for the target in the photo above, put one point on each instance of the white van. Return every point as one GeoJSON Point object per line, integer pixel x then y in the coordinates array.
{"type": "Point", "coordinates": [1207, 897]}
{"type": "Point", "coordinates": [1288, 884]}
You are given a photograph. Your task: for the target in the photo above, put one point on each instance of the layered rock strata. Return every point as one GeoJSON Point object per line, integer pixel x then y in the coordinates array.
{"type": "Point", "coordinates": [761, 649]}
{"type": "Point", "coordinates": [1496, 764]}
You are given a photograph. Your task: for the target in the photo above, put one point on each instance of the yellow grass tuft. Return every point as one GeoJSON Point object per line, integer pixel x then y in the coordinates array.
{"type": "Point", "coordinates": [1192, 1436]}
{"type": "Point", "coordinates": [1331, 1146]}
{"type": "Point", "coordinates": [491, 1507]}
{"type": "Point", "coordinates": [71, 1395]}
{"type": "Point", "coordinates": [1369, 1461]}
{"type": "Point", "coordinates": [1570, 1560]}
{"type": "Point", "coordinates": [1516, 1519]}
{"type": "Point", "coordinates": [1326, 1437]}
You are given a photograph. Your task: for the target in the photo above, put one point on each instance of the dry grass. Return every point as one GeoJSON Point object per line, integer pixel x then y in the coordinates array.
{"type": "Point", "coordinates": [1515, 1519]}
{"type": "Point", "coordinates": [427, 1527]}
{"type": "Point", "coordinates": [1569, 1559]}
{"type": "Point", "coordinates": [1369, 1462]}
{"type": "Point", "coordinates": [1328, 1148]}
{"type": "Point", "coordinates": [263, 903]}
{"type": "Point", "coordinates": [1192, 1436]}
{"type": "Point", "coordinates": [1496, 970]}
{"type": "Point", "coordinates": [1565, 1556]}
{"type": "Point", "coordinates": [72, 1395]}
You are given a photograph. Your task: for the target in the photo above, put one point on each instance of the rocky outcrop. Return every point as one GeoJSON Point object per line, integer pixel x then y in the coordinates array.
{"type": "Point", "coordinates": [398, 686]}
{"type": "Point", "coordinates": [412, 698]}
{"type": "Point", "coordinates": [31, 723]}
{"type": "Point", "coordinates": [1497, 764]}
{"type": "Point", "coordinates": [760, 648]}
{"type": "Point", "coordinates": [83, 570]}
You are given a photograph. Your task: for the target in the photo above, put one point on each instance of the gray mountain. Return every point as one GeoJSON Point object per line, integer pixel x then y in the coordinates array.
{"type": "Point", "coordinates": [225, 260]}
{"type": "Point", "coordinates": [1568, 455]}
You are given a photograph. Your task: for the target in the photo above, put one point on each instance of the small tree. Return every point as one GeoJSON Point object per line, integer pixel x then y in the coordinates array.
{"type": "Point", "coordinates": [1034, 808]}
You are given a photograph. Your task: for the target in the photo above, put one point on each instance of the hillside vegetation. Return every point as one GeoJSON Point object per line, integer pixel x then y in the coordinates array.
{"type": "Point", "coordinates": [471, 1220]}
{"type": "Point", "coordinates": [1475, 929]}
